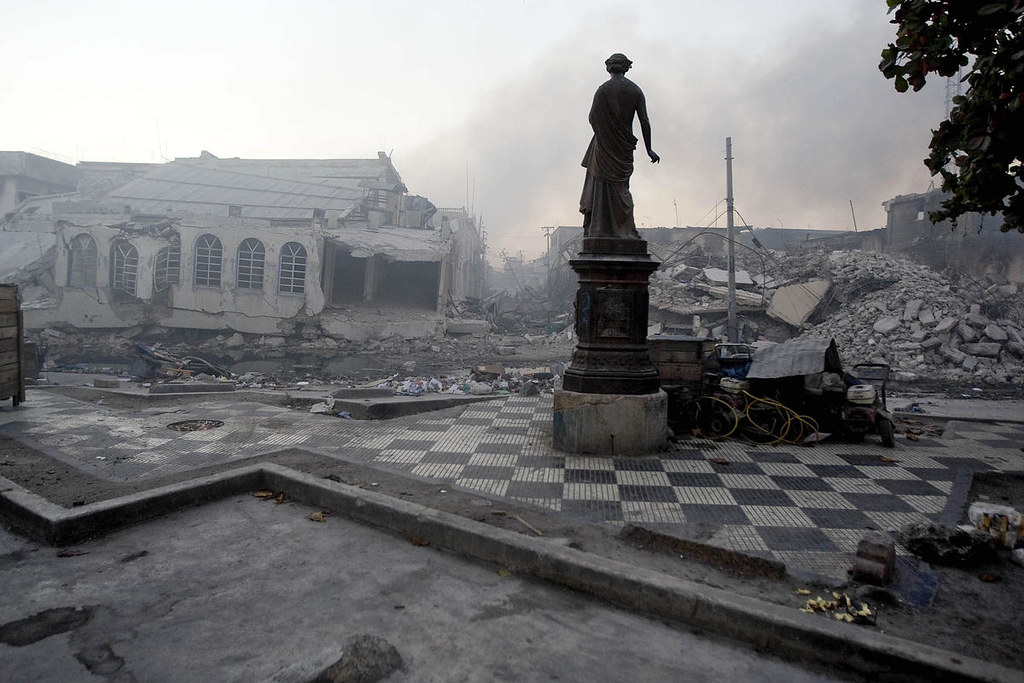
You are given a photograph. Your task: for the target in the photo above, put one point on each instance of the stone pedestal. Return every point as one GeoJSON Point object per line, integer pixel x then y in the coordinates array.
{"type": "Point", "coordinates": [611, 319]}
{"type": "Point", "coordinates": [610, 424]}
{"type": "Point", "coordinates": [610, 402]}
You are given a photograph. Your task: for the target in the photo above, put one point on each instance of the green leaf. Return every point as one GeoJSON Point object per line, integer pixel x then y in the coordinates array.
{"type": "Point", "coordinates": [991, 9]}
{"type": "Point", "coordinates": [900, 84]}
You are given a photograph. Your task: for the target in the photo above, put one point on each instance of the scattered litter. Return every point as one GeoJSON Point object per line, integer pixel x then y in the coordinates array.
{"type": "Point", "coordinates": [504, 572]}
{"type": "Point", "coordinates": [842, 608]}
{"type": "Point", "coordinates": [1000, 521]}
{"type": "Point", "coordinates": [319, 516]}
{"type": "Point", "coordinates": [420, 541]}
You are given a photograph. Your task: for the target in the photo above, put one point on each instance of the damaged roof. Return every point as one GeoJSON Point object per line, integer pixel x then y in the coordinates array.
{"type": "Point", "coordinates": [195, 188]}
{"type": "Point", "coordinates": [399, 244]}
{"type": "Point", "coordinates": [351, 173]}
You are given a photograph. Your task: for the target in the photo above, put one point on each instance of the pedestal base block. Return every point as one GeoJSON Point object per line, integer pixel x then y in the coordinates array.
{"type": "Point", "coordinates": [610, 424]}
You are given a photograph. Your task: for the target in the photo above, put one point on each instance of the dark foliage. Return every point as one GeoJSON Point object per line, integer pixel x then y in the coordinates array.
{"type": "Point", "coordinates": [978, 150]}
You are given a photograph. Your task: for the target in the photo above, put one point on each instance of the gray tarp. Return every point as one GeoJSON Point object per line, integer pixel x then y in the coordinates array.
{"type": "Point", "coordinates": [796, 357]}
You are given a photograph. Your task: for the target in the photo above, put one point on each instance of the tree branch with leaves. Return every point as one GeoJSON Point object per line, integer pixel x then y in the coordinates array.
{"type": "Point", "coordinates": [978, 150]}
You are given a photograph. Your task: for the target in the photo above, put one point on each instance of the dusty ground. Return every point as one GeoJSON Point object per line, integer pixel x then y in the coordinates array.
{"type": "Point", "coordinates": [979, 618]}
{"type": "Point", "coordinates": [976, 617]}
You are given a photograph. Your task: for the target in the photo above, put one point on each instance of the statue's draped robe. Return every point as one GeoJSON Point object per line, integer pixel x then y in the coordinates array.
{"type": "Point", "coordinates": [606, 203]}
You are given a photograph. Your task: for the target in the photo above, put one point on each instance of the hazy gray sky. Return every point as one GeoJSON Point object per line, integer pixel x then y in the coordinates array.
{"type": "Point", "coordinates": [499, 88]}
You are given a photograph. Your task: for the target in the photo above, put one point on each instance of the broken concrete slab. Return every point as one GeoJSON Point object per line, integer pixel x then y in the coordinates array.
{"type": "Point", "coordinates": [795, 303]}
{"type": "Point", "coordinates": [951, 354]}
{"type": "Point", "coordinates": [976, 319]}
{"type": "Point", "coordinates": [912, 308]}
{"type": "Point", "coordinates": [719, 276]}
{"type": "Point", "coordinates": [995, 333]}
{"type": "Point", "coordinates": [886, 325]}
{"type": "Point", "coordinates": [966, 332]}
{"type": "Point", "coordinates": [983, 349]}
{"type": "Point", "coordinates": [945, 325]}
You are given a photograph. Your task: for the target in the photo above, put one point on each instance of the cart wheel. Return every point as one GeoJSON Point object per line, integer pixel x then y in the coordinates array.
{"type": "Point", "coordinates": [885, 430]}
{"type": "Point", "coordinates": [723, 421]}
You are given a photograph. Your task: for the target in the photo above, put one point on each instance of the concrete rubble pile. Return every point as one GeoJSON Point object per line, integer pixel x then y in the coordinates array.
{"type": "Point", "coordinates": [891, 310]}
{"type": "Point", "coordinates": [687, 289]}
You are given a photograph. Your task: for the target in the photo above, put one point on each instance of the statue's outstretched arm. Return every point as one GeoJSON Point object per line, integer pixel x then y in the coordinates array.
{"type": "Point", "coordinates": [645, 128]}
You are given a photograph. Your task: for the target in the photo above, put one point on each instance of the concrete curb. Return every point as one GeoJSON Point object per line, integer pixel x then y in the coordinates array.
{"type": "Point", "coordinates": [363, 409]}
{"type": "Point", "coordinates": [780, 630]}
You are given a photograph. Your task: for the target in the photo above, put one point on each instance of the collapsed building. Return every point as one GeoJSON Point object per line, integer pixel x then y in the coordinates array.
{"type": "Point", "coordinates": [869, 290]}
{"type": "Point", "coordinates": [336, 247]}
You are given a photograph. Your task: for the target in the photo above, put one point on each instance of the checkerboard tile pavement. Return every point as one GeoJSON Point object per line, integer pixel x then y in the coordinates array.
{"type": "Point", "coordinates": [804, 506]}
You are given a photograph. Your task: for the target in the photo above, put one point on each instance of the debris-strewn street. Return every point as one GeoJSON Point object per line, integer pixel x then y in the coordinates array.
{"type": "Point", "coordinates": [805, 507]}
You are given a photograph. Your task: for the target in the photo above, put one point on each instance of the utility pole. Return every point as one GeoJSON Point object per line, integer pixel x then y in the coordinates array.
{"type": "Point", "coordinates": [676, 207]}
{"type": "Point", "coordinates": [731, 331]}
{"type": "Point", "coordinates": [547, 264]}
{"type": "Point", "coordinates": [854, 214]}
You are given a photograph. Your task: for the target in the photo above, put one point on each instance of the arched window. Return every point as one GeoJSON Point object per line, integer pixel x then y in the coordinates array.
{"type": "Point", "coordinates": [292, 276]}
{"type": "Point", "coordinates": [124, 267]}
{"type": "Point", "coordinates": [167, 268]}
{"type": "Point", "coordinates": [251, 256]}
{"type": "Point", "coordinates": [209, 258]}
{"type": "Point", "coordinates": [82, 261]}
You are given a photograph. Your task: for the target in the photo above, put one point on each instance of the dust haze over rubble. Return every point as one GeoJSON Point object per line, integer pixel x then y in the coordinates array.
{"type": "Point", "coordinates": [813, 123]}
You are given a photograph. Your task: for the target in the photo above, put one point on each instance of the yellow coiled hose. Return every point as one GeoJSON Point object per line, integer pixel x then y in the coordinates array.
{"type": "Point", "coordinates": [792, 428]}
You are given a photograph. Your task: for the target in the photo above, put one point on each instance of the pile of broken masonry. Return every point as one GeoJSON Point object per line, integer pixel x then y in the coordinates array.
{"type": "Point", "coordinates": [891, 310]}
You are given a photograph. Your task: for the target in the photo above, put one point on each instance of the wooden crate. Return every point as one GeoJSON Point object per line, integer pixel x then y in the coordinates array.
{"type": "Point", "coordinates": [12, 377]}
{"type": "Point", "coordinates": [677, 358]}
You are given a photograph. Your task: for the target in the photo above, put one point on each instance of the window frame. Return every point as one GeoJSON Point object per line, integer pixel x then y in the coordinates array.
{"type": "Point", "coordinates": [83, 262]}
{"type": "Point", "coordinates": [124, 267]}
{"type": "Point", "coordinates": [250, 264]}
{"type": "Point", "coordinates": [294, 257]}
{"type": "Point", "coordinates": [209, 260]}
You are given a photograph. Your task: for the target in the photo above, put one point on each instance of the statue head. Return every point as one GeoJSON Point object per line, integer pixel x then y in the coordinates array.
{"type": "Point", "coordinates": [618, 63]}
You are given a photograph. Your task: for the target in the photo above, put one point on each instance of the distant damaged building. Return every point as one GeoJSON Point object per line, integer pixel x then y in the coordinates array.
{"type": "Point", "coordinates": [252, 246]}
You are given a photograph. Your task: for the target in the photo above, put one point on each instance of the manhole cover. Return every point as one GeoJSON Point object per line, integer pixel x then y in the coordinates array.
{"type": "Point", "coordinates": [194, 425]}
